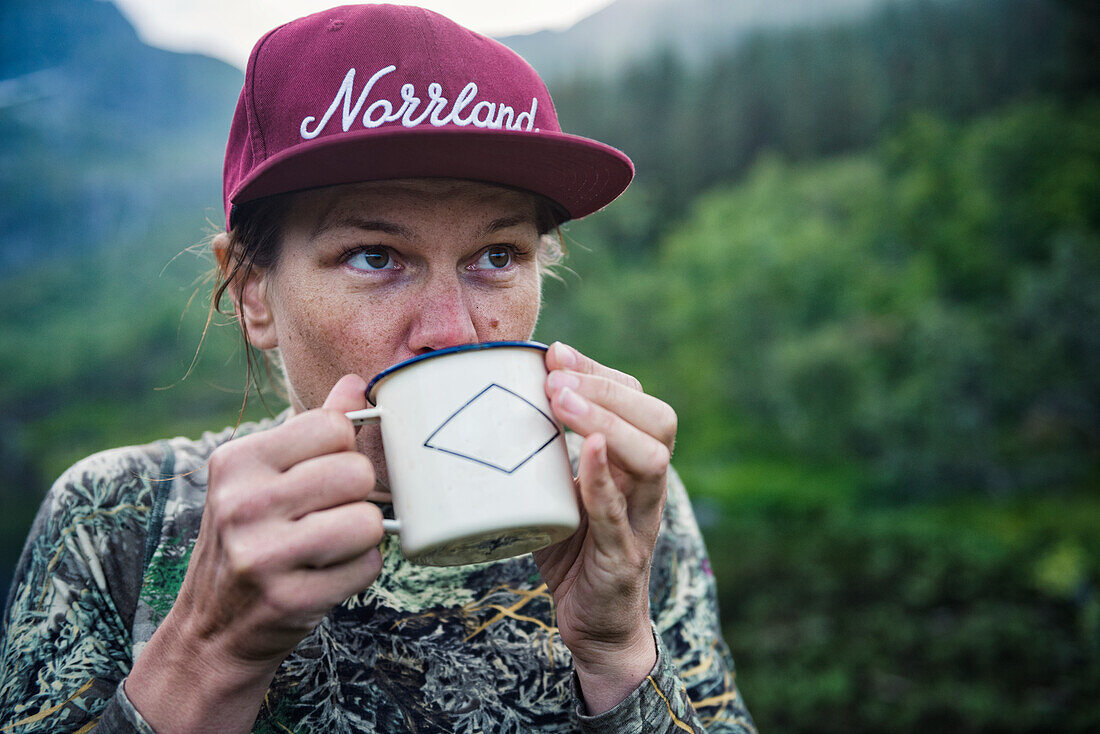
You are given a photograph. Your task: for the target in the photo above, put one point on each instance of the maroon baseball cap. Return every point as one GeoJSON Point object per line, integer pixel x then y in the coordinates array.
{"type": "Point", "coordinates": [372, 92]}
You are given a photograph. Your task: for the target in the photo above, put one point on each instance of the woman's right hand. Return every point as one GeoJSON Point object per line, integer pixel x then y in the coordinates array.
{"type": "Point", "coordinates": [286, 535]}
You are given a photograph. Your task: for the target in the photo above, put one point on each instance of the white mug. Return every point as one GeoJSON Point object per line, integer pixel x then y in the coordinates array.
{"type": "Point", "coordinates": [478, 466]}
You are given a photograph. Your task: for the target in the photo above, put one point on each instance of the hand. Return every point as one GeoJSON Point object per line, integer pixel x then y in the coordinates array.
{"type": "Point", "coordinates": [599, 577]}
{"type": "Point", "coordinates": [285, 536]}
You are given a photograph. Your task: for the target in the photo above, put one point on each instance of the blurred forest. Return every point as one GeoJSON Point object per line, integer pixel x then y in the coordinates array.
{"type": "Point", "coordinates": [862, 261]}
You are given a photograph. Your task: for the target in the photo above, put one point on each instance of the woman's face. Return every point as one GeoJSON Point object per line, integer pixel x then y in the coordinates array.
{"type": "Point", "coordinates": [372, 274]}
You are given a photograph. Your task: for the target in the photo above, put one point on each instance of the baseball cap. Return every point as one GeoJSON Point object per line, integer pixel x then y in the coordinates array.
{"type": "Point", "coordinates": [372, 92]}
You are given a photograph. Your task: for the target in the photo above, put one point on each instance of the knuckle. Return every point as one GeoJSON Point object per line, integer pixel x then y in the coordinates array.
{"type": "Point", "coordinates": [668, 424]}
{"type": "Point", "coordinates": [218, 460]}
{"type": "Point", "coordinates": [348, 475]}
{"type": "Point", "coordinates": [360, 472]}
{"type": "Point", "coordinates": [232, 504]}
{"type": "Point", "coordinates": [605, 390]}
{"type": "Point", "coordinates": [606, 421]}
{"type": "Point", "coordinates": [365, 521]}
{"type": "Point", "coordinates": [373, 518]}
{"type": "Point", "coordinates": [222, 504]}
{"type": "Point", "coordinates": [228, 464]}
{"type": "Point", "coordinates": [215, 505]}
{"type": "Point", "coordinates": [288, 601]}
{"type": "Point", "coordinates": [617, 510]}
{"type": "Point", "coordinates": [225, 457]}
{"type": "Point", "coordinates": [372, 567]}
{"type": "Point", "coordinates": [338, 425]}
{"type": "Point", "coordinates": [656, 461]}
{"type": "Point", "coordinates": [329, 424]}
{"type": "Point", "coordinates": [243, 560]}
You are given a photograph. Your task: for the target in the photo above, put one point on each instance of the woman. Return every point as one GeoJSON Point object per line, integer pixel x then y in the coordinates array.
{"type": "Point", "coordinates": [392, 184]}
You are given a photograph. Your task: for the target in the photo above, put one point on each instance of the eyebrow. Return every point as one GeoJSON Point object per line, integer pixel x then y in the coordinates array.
{"type": "Point", "coordinates": [352, 222]}
{"type": "Point", "coordinates": [505, 222]}
{"type": "Point", "coordinates": [399, 230]}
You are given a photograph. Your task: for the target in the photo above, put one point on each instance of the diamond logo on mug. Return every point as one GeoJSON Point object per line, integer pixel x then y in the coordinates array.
{"type": "Point", "coordinates": [496, 428]}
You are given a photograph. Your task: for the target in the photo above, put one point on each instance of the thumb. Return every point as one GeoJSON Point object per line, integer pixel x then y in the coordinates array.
{"type": "Point", "coordinates": [348, 394]}
{"type": "Point", "coordinates": [607, 508]}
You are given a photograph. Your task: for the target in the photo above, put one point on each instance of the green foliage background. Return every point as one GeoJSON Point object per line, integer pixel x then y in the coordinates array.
{"type": "Point", "coordinates": [862, 262]}
{"type": "Point", "coordinates": [885, 365]}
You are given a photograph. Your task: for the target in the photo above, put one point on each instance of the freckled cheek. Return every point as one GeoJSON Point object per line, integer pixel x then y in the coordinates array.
{"type": "Point", "coordinates": [516, 317]}
{"type": "Point", "coordinates": [346, 337]}
{"type": "Point", "coordinates": [324, 342]}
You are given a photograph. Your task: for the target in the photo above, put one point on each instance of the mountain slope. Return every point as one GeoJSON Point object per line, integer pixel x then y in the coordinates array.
{"type": "Point", "coordinates": [100, 130]}
{"type": "Point", "coordinates": [628, 30]}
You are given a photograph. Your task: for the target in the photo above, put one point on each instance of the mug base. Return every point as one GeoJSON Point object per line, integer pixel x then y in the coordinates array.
{"type": "Point", "coordinates": [489, 546]}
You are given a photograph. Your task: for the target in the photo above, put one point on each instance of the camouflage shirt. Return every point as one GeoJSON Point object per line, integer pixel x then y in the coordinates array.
{"type": "Point", "coordinates": [462, 649]}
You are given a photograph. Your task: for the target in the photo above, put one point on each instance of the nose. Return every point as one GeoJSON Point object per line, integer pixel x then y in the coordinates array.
{"type": "Point", "coordinates": [443, 318]}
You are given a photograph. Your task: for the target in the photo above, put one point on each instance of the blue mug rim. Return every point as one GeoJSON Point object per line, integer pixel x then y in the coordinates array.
{"type": "Point", "coordinates": [442, 352]}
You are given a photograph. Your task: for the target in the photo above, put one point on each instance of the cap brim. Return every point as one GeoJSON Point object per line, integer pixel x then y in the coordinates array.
{"type": "Point", "coordinates": [579, 174]}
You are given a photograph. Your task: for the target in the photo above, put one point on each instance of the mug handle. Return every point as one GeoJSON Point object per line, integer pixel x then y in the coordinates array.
{"type": "Point", "coordinates": [367, 415]}
{"type": "Point", "coordinates": [371, 415]}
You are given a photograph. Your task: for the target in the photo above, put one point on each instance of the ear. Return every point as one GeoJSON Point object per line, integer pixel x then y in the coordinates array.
{"type": "Point", "coordinates": [220, 245]}
{"type": "Point", "coordinates": [249, 292]}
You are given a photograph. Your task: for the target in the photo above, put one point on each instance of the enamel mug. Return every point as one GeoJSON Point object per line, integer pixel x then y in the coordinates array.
{"type": "Point", "coordinates": [478, 466]}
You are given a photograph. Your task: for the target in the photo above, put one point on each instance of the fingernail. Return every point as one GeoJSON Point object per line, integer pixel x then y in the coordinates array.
{"type": "Point", "coordinates": [572, 402]}
{"type": "Point", "coordinates": [560, 379]}
{"type": "Point", "coordinates": [567, 356]}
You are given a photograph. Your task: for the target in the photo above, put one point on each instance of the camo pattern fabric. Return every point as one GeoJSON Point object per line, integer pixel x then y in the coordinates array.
{"type": "Point", "coordinates": [424, 649]}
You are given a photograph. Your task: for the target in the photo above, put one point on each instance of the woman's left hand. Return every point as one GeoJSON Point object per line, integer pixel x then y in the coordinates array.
{"type": "Point", "coordinates": [599, 577]}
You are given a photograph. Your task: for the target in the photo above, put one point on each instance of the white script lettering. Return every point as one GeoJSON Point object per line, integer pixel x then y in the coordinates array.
{"type": "Point", "coordinates": [483, 113]}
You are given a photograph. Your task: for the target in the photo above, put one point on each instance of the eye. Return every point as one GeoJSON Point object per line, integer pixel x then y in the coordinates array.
{"type": "Point", "coordinates": [495, 258]}
{"type": "Point", "coordinates": [372, 258]}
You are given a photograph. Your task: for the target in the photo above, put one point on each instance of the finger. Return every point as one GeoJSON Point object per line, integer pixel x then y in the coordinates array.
{"type": "Point", "coordinates": [563, 357]}
{"type": "Point", "coordinates": [302, 437]}
{"type": "Point", "coordinates": [631, 449]}
{"type": "Point", "coordinates": [348, 394]}
{"type": "Point", "coordinates": [339, 534]}
{"type": "Point", "coordinates": [645, 412]}
{"type": "Point", "coordinates": [380, 496]}
{"type": "Point", "coordinates": [314, 433]}
{"type": "Point", "coordinates": [326, 587]}
{"type": "Point", "coordinates": [326, 481]}
{"type": "Point", "coordinates": [605, 505]}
